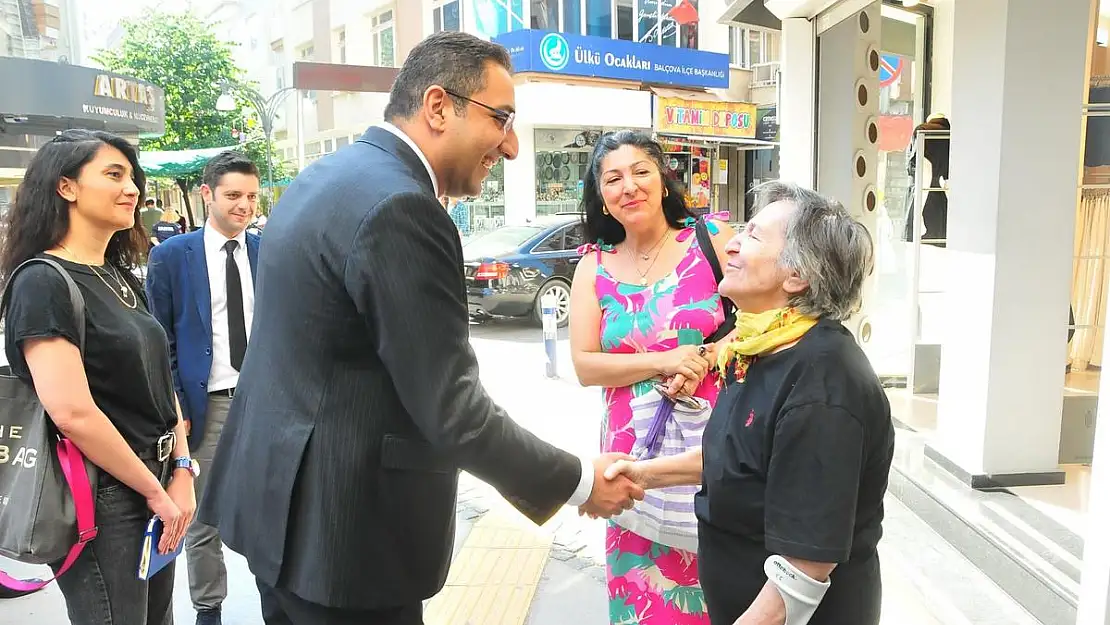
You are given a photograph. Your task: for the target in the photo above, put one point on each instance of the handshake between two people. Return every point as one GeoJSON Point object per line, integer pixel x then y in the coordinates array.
{"type": "Point", "coordinates": [619, 482]}
{"type": "Point", "coordinates": [624, 479]}
{"type": "Point", "coordinates": [613, 492]}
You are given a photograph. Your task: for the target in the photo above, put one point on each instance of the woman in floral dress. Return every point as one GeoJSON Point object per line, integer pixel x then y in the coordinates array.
{"type": "Point", "coordinates": [640, 291]}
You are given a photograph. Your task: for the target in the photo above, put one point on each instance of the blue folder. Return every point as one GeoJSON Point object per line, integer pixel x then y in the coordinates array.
{"type": "Point", "coordinates": [150, 561]}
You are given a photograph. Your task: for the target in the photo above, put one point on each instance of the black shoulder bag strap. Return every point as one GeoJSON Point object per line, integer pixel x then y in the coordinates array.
{"type": "Point", "coordinates": [705, 242]}
{"type": "Point", "coordinates": [74, 296]}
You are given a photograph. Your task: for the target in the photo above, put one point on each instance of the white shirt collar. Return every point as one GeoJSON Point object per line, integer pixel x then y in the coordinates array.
{"type": "Point", "coordinates": [214, 241]}
{"type": "Point", "coordinates": [400, 134]}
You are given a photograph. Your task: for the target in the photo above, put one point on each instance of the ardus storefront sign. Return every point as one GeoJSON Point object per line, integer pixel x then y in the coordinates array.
{"type": "Point", "coordinates": [617, 59]}
{"type": "Point", "coordinates": [49, 95]}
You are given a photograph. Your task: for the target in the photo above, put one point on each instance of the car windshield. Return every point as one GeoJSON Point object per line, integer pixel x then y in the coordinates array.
{"type": "Point", "coordinates": [499, 241]}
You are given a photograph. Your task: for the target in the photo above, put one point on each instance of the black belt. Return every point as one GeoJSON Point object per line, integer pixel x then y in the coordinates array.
{"type": "Point", "coordinates": [161, 450]}
{"type": "Point", "coordinates": [227, 392]}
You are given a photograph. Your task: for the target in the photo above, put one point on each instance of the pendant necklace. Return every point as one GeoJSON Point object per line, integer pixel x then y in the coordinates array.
{"type": "Point", "coordinates": [646, 255]}
{"type": "Point", "coordinates": [120, 284]}
{"type": "Point", "coordinates": [644, 273]}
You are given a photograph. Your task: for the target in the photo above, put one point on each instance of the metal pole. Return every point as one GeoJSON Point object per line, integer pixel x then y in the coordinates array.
{"type": "Point", "coordinates": [550, 333]}
{"type": "Point", "coordinates": [270, 169]}
{"type": "Point", "coordinates": [300, 132]}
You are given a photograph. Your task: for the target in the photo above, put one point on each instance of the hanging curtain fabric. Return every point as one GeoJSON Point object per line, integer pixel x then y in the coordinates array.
{"type": "Point", "coordinates": [1089, 278]}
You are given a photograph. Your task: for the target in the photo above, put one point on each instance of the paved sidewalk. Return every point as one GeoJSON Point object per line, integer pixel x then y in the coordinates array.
{"type": "Point", "coordinates": [506, 570]}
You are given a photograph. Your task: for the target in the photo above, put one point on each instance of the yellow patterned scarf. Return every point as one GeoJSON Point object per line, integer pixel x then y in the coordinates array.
{"type": "Point", "coordinates": [759, 334]}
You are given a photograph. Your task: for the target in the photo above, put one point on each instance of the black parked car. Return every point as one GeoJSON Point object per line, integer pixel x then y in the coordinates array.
{"type": "Point", "coordinates": [509, 270]}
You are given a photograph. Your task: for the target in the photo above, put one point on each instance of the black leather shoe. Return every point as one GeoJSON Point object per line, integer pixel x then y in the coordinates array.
{"type": "Point", "coordinates": [209, 617]}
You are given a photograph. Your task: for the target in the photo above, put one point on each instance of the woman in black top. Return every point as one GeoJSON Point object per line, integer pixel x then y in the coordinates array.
{"type": "Point", "coordinates": [78, 205]}
{"type": "Point", "coordinates": [796, 455]}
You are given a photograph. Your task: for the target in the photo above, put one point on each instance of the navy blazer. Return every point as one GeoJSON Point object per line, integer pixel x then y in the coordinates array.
{"type": "Point", "coordinates": [180, 297]}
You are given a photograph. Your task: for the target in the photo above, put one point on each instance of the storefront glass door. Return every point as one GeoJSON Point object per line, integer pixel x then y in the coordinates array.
{"type": "Point", "coordinates": [903, 99]}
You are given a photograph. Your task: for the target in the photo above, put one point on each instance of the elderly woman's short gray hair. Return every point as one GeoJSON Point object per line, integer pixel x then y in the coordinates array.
{"type": "Point", "coordinates": [826, 247]}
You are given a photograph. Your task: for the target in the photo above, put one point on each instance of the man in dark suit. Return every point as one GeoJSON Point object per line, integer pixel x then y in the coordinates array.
{"type": "Point", "coordinates": [201, 288]}
{"type": "Point", "coordinates": [360, 400]}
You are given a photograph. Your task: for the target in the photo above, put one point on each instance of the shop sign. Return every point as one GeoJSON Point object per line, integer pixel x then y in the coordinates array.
{"type": "Point", "coordinates": [81, 95]}
{"type": "Point", "coordinates": [617, 59]}
{"type": "Point", "coordinates": [676, 116]}
{"type": "Point", "coordinates": [767, 124]}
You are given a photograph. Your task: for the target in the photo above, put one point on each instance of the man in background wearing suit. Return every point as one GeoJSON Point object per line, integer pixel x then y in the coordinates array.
{"type": "Point", "coordinates": [201, 288]}
{"type": "Point", "coordinates": [359, 400]}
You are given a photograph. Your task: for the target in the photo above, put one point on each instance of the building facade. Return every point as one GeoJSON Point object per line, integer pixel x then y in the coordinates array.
{"type": "Point", "coordinates": [44, 92]}
{"type": "Point", "coordinates": [986, 310]}
{"type": "Point", "coordinates": [695, 72]}
{"type": "Point", "coordinates": [40, 29]}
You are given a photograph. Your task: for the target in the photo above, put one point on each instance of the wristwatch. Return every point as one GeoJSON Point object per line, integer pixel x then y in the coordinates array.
{"type": "Point", "coordinates": [187, 463]}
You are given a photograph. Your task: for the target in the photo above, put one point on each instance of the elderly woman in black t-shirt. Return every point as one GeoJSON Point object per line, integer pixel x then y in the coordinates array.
{"type": "Point", "coordinates": [799, 446]}
{"type": "Point", "coordinates": [78, 205]}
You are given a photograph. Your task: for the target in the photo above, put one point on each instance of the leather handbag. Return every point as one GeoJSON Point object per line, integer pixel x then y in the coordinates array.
{"type": "Point", "coordinates": [47, 510]}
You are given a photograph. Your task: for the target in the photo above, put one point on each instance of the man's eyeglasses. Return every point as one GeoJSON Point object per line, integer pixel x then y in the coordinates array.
{"type": "Point", "coordinates": [505, 118]}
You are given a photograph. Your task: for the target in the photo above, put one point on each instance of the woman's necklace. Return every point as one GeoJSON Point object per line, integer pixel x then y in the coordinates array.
{"type": "Point", "coordinates": [636, 265]}
{"type": "Point", "coordinates": [120, 284]}
{"type": "Point", "coordinates": [646, 255]}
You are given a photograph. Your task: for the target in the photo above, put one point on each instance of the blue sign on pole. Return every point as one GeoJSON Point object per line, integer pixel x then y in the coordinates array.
{"type": "Point", "coordinates": [601, 57]}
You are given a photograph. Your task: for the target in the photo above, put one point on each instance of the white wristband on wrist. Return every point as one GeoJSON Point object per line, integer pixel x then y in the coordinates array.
{"type": "Point", "coordinates": [801, 593]}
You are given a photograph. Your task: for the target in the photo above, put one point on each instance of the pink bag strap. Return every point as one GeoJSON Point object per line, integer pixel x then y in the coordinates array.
{"type": "Point", "coordinates": [72, 462]}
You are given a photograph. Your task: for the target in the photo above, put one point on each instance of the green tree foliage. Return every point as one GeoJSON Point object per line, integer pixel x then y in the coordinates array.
{"type": "Point", "coordinates": [182, 55]}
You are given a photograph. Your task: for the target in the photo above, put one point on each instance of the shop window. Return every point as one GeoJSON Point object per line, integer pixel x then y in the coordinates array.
{"type": "Point", "coordinates": [496, 17]}
{"type": "Point", "coordinates": [381, 39]}
{"type": "Point", "coordinates": [487, 211]}
{"type": "Point", "coordinates": [446, 15]}
{"type": "Point", "coordinates": [691, 166]}
{"type": "Point", "coordinates": [562, 159]}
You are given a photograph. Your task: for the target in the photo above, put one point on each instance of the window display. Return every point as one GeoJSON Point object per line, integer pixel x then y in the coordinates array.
{"type": "Point", "coordinates": [562, 159]}
{"type": "Point", "coordinates": [691, 167]}
{"type": "Point", "coordinates": [487, 211]}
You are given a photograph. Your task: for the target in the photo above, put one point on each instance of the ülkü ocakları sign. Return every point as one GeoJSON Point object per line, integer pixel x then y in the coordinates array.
{"type": "Point", "coordinates": [617, 59]}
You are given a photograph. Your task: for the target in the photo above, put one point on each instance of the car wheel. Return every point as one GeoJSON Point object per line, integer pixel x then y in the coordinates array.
{"type": "Point", "coordinates": [561, 291]}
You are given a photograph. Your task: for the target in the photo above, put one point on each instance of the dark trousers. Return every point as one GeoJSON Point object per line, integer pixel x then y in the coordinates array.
{"type": "Point", "coordinates": [280, 607]}
{"type": "Point", "coordinates": [103, 586]}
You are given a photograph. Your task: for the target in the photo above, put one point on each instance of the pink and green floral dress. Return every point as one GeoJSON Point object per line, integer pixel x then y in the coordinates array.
{"type": "Point", "coordinates": [651, 583]}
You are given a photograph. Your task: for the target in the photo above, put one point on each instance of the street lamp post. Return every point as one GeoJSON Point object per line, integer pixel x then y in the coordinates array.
{"type": "Point", "coordinates": [265, 108]}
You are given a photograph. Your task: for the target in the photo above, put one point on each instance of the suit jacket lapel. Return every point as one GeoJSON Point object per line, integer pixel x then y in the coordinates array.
{"type": "Point", "coordinates": [198, 271]}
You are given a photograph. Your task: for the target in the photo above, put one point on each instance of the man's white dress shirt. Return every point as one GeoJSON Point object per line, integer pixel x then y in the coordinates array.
{"type": "Point", "coordinates": [223, 376]}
